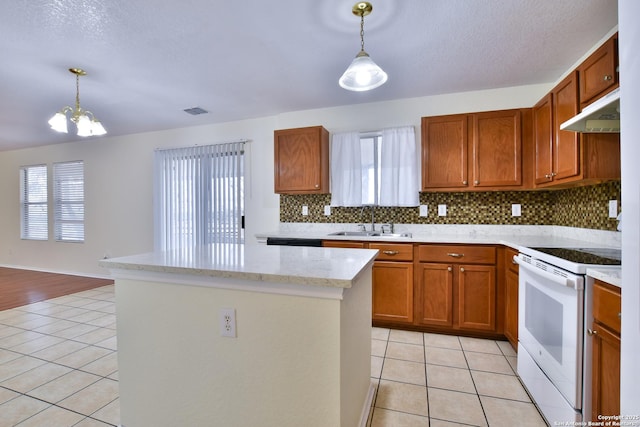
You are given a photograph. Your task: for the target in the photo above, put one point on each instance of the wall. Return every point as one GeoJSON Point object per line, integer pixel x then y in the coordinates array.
{"type": "Point", "coordinates": [628, 12]}
{"type": "Point", "coordinates": [118, 173]}
{"type": "Point", "coordinates": [583, 207]}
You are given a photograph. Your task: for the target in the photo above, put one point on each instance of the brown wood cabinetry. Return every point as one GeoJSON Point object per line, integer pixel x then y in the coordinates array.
{"type": "Point", "coordinates": [301, 161]}
{"type": "Point", "coordinates": [511, 297]}
{"type": "Point", "coordinates": [445, 151]}
{"type": "Point", "coordinates": [479, 151]}
{"type": "Point", "coordinates": [598, 74]}
{"type": "Point", "coordinates": [605, 335]}
{"type": "Point", "coordinates": [392, 296]}
{"type": "Point", "coordinates": [566, 158]}
{"type": "Point", "coordinates": [456, 287]}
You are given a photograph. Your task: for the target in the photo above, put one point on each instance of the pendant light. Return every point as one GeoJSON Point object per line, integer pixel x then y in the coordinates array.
{"type": "Point", "coordinates": [363, 74]}
{"type": "Point", "coordinates": [85, 121]}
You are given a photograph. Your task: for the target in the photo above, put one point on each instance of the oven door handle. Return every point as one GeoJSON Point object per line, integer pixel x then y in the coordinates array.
{"type": "Point", "coordinates": [564, 281]}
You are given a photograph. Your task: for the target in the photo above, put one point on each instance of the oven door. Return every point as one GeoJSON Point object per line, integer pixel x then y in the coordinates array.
{"type": "Point", "coordinates": [550, 326]}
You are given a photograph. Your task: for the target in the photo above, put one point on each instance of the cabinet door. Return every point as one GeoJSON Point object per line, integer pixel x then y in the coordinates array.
{"type": "Point", "coordinates": [476, 297]}
{"type": "Point", "coordinates": [543, 139]}
{"type": "Point", "coordinates": [301, 160]}
{"type": "Point", "coordinates": [393, 291]}
{"type": "Point", "coordinates": [497, 149]}
{"type": "Point", "coordinates": [444, 151]}
{"type": "Point", "coordinates": [605, 371]}
{"type": "Point", "coordinates": [598, 72]}
{"type": "Point", "coordinates": [566, 143]}
{"type": "Point", "coordinates": [436, 295]}
{"type": "Point", "coordinates": [511, 308]}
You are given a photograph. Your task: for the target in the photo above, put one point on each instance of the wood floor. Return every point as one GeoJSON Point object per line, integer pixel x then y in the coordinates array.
{"type": "Point", "coordinates": [21, 287]}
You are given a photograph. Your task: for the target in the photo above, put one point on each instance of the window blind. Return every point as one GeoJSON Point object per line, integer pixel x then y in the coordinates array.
{"type": "Point", "coordinates": [68, 198]}
{"type": "Point", "coordinates": [198, 196]}
{"type": "Point", "coordinates": [34, 214]}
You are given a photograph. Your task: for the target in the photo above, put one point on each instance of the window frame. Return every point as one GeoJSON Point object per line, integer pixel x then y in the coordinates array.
{"type": "Point", "coordinates": [27, 230]}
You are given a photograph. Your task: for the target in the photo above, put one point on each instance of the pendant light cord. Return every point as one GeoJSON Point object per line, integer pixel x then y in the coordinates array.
{"type": "Point", "coordinates": [362, 30]}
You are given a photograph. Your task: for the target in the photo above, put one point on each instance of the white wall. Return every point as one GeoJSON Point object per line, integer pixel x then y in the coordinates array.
{"type": "Point", "coordinates": [628, 12]}
{"type": "Point", "coordinates": [118, 174]}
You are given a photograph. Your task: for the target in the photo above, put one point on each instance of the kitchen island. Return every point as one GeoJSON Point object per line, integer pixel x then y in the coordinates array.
{"type": "Point", "coordinates": [300, 351]}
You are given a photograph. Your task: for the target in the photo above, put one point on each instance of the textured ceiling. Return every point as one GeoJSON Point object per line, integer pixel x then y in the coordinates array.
{"type": "Point", "coordinates": [147, 60]}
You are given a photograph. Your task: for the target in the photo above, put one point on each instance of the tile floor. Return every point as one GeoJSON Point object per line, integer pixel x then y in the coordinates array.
{"type": "Point", "coordinates": [58, 365]}
{"type": "Point", "coordinates": [440, 380]}
{"type": "Point", "coordinates": [58, 368]}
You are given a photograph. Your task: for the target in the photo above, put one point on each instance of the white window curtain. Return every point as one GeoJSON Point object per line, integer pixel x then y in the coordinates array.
{"type": "Point", "coordinates": [68, 201]}
{"type": "Point", "coordinates": [199, 196]}
{"type": "Point", "coordinates": [34, 216]}
{"type": "Point", "coordinates": [399, 174]}
{"type": "Point", "coordinates": [346, 169]}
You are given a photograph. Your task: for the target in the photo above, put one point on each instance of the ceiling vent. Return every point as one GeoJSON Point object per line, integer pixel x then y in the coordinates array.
{"type": "Point", "coordinates": [195, 111]}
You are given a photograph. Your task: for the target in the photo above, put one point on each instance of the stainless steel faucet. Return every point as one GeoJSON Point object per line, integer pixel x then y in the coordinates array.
{"type": "Point", "coordinates": [373, 224]}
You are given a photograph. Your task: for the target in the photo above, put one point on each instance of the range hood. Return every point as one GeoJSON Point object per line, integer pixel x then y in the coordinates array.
{"type": "Point", "coordinates": [603, 116]}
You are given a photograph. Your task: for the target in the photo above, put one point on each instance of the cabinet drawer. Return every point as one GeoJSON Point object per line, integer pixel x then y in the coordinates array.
{"type": "Point", "coordinates": [606, 305]}
{"type": "Point", "coordinates": [458, 254]}
{"type": "Point", "coordinates": [393, 251]}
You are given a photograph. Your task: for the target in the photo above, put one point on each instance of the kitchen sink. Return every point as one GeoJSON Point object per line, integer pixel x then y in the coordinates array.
{"type": "Point", "coordinates": [369, 234]}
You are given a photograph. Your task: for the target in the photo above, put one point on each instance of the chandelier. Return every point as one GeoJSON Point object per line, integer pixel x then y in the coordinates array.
{"type": "Point", "coordinates": [85, 121]}
{"type": "Point", "coordinates": [363, 74]}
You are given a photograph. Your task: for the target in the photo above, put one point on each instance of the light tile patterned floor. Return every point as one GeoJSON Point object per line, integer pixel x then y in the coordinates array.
{"type": "Point", "coordinates": [58, 365]}
{"type": "Point", "coordinates": [58, 368]}
{"type": "Point", "coordinates": [440, 380]}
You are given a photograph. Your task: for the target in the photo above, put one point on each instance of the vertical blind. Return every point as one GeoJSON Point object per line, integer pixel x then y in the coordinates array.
{"type": "Point", "coordinates": [198, 196]}
{"type": "Point", "coordinates": [68, 201]}
{"type": "Point", "coordinates": [34, 215]}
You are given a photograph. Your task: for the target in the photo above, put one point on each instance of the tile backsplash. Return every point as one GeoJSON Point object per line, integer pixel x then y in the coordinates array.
{"type": "Point", "coordinates": [582, 207]}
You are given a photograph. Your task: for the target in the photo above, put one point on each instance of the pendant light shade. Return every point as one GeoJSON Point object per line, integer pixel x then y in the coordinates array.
{"type": "Point", "coordinates": [363, 74]}
{"type": "Point", "coordinates": [86, 123]}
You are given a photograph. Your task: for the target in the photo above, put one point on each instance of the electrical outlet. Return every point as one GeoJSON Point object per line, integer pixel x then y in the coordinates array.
{"type": "Point", "coordinates": [442, 210]}
{"type": "Point", "coordinates": [228, 322]}
{"type": "Point", "coordinates": [516, 209]}
{"type": "Point", "coordinates": [613, 208]}
{"type": "Point", "coordinates": [305, 210]}
{"type": "Point", "coordinates": [327, 210]}
{"type": "Point", "coordinates": [424, 210]}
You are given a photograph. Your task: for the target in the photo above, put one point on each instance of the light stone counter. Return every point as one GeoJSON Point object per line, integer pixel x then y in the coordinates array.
{"type": "Point", "coordinates": [324, 267]}
{"type": "Point", "coordinates": [612, 276]}
{"type": "Point", "coordinates": [515, 236]}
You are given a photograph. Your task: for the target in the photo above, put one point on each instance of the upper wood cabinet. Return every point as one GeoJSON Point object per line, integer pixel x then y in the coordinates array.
{"type": "Point", "coordinates": [445, 152]}
{"type": "Point", "coordinates": [598, 74]}
{"type": "Point", "coordinates": [301, 161]}
{"type": "Point", "coordinates": [566, 158]}
{"type": "Point", "coordinates": [479, 151]}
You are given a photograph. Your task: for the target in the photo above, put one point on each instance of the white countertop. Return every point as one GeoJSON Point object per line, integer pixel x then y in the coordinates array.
{"type": "Point", "coordinates": [327, 267]}
{"type": "Point", "coordinates": [612, 276]}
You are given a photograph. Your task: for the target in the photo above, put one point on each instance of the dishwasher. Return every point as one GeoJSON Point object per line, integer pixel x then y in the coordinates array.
{"type": "Point", "coordinates": [292, 241]}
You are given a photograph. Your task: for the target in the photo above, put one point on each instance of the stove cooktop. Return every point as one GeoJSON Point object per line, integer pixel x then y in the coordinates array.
{"type": "Point", "coordinates": [586, 256]}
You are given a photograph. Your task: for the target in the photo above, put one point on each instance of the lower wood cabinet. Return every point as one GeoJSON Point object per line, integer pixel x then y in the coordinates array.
{"type": "Point", "coordinates": [460, 294]}
{"type": "Point", "coordinates": [605, 335]}
{"type": "Point", "coordinates": [511, 297]}
{"type": "Point", "coordinates": [436, 288]}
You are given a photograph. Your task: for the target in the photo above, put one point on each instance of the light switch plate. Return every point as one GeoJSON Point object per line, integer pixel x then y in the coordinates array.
{"type": "Point", "coordinates": [424, 210]}
{"type": "Point", "coordinates": [327, 210]}
{"type": "Point", "coordinates": [305, 210]}
{"type": "Point", "coordinates": [442, 210]}
{"type": "Point", "coordinates": [613, 208]}
{"type": "Point", "coordinates": [516, 209]}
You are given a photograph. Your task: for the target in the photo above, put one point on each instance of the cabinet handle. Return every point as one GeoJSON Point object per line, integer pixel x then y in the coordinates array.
{"type": "Point", "coordinates": [592, 332]}
{"type": "Point", "coordinates": [391, 252]}
{"type": "Point", "coordinates": [462, 269]}
{"type": "Point", "coordinates": [455, 255]}
{"type": "Point", "coordinates": [317, 185]}
{"type": "Point", "coordinates": [476, 182]}
{"type": "Point", "coordinates": [464, 182]}
{"type": "Point", "coordinates": [608, 77]}
{"type": "Point", "coordinates": [449, 269]}
{"type": "Point", "coordinates": [619, 315]}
